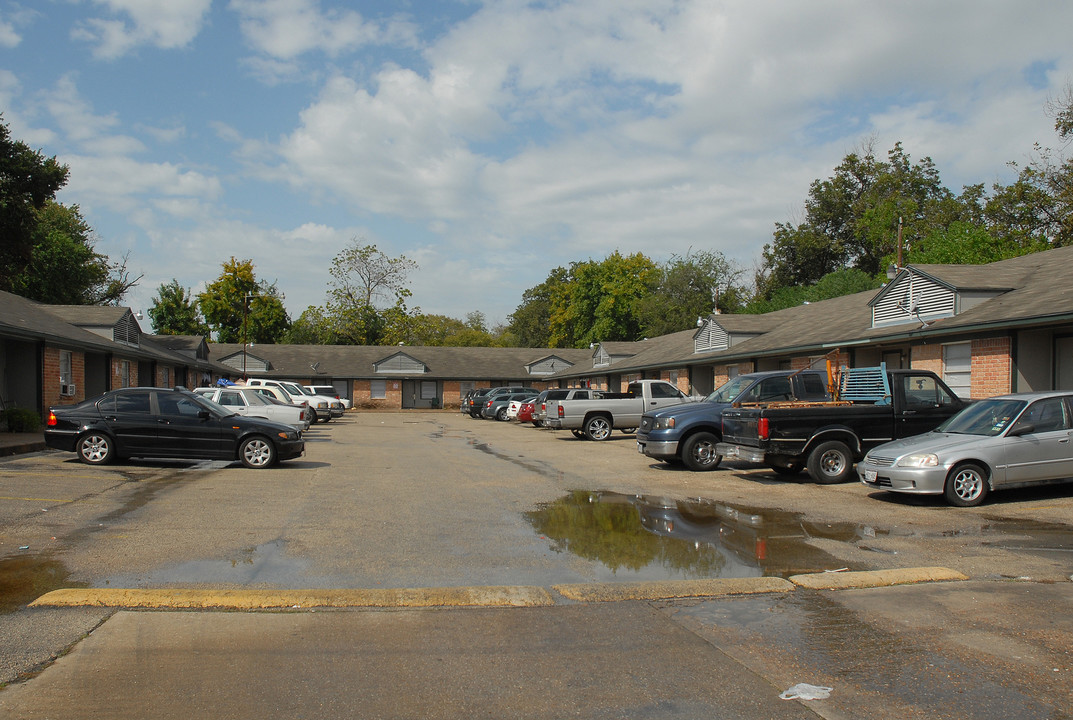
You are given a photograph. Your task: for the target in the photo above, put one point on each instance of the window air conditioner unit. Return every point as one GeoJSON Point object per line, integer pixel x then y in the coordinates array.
{"type": "Point", "coordinates": [67, 390]}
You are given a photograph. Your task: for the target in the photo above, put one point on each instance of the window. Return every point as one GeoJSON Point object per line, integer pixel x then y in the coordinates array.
{"type": "Point", "coordinates": [1046, 415]}
{"type": "Point", "coordinates": [165, 376]}
{"type": "Point", "coordinates": [135, 402]}
{"type": "Point", "coordinates": [659, 390]}
{"type": "Point", "coordinates": [378, 389]}
{"type": "Point", "coordinates": [231, 399]}
{"type": "Point", "coordinates": [124, 373]}
{"type": "Point", "coordinates": [65, 367]}
{"type": "Point", "coordinates": [923, 391]}
{"type": "Point", "coordinates": [814, 387]}
{"type": "Point", "coordinates": [176, 404]}
{"type": "Point", "coordinates": [428, 390]}
{"type": "Point", "coordinates": [957, 368]}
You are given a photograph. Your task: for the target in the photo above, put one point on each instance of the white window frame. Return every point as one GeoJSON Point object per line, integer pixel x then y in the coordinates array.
{"type": "Point", "coordinates": [378, 389]}
{"type": "Point", "coordinates": [957, 371]}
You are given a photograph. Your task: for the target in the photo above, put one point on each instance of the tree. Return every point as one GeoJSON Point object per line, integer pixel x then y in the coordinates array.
{"type": "Point", "coordinates": [239, 308]}
{"type": "Point", "coordinates": [599, 301]}
{"type": "Point", "coordinates": [174, 311]}
{"type": "Point", "coordinates": [688, 287]}
{"type": "Point", "coordinates": [530, 322]}
{"type": "Point", "coordinates": [28, 181]}
{"type": "Point", "coordinates": [835, 284]}
{"type": "Point", "coordinates": [367, 300]}
{"type": "Point", "coordinates": [853, 219]}
{"type": "Point", "coordinates": [64, 268]}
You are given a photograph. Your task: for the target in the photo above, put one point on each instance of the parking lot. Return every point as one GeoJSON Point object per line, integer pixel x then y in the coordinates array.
{"type": "Point", "coordinates": [397, 501]}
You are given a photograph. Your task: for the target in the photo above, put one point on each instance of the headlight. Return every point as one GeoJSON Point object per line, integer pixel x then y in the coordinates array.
{"type": "Point", "coordinates": [919, 460]}
{"type": "Point", "coordinates": [664, 423]}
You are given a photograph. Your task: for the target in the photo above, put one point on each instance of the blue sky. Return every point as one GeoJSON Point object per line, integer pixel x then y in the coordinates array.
{"type": "Point", "coordinates": [493, 141]}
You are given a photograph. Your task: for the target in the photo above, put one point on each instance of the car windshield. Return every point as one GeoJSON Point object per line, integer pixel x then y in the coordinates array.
{"type": "Point", "coordinates": [986, 417]}
{"type": "Point", "coordinates": [729, 391]}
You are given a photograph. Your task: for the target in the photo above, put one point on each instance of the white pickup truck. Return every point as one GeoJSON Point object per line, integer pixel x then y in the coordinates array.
{"type": "Point", "coordinates": [605, 412]}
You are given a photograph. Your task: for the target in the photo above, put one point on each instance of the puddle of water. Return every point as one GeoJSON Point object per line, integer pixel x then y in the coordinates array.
{"type": "Point", "coordinates": [268, 563]}
{"type": "Point", "coordinates": [24, 578]}
{"type": "Point", "coordinates": [646, 537]}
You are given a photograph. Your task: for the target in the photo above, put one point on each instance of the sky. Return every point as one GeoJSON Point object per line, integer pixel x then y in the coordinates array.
{"type": "Point", "coordinates": [491, 141]}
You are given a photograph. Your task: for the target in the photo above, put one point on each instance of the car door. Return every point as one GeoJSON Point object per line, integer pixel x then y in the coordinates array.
{"type": "Point", "coordinates": [1045, 453]}
{"type": "Point", "coordinates": [183, 430]}
{"type": "Point", "coordinates": [925, 403]}
{"type": "Point", "coordinates": [128, 416]}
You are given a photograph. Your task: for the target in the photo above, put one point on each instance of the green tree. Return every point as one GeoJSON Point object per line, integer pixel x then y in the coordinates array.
{"type": "Point", "coordinates": [28, 182]}
{"type": "Point", "coordinates": [239, 308]}
{"type": "Point", "coordinates": [835, 284]}
{"type": "Point", "coordinates": [367, 299]}
{"type": "Point", "coordinates": [599, 302]}
{"type": "Point", "coordinates": [530, 323]}
{"type": "Point", "coordinates": [64, 267]}
{"type": "Point", "coordinates": [174, 311]}
{"type": "Point", "coordinates": [854, 218]}
{"type": "Point", "coordinates": [688, 287]}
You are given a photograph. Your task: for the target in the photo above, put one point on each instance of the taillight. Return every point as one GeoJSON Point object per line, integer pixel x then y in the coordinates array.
{"type": "Point", "coordinates": [561, 413]}
{"type": "Point", "coordinates": [53, 421]}
{"type": "Point", "coordinates": [762, 428]}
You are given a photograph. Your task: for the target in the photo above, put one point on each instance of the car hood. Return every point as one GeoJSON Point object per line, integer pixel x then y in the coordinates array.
{"type": "Point", "coordinates": [930, 442]}
{"type": "Point", "coordinates": [689, 408]}
{"type": "Point", "coordinates": [256, 423]}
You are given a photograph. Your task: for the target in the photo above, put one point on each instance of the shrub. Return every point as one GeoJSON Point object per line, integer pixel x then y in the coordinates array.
{"type": "Point", "coordinates": [21, 420]}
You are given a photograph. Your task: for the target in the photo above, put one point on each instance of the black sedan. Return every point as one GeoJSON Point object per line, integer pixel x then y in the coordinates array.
{"type": "Point", "coordinates": [163, 423]}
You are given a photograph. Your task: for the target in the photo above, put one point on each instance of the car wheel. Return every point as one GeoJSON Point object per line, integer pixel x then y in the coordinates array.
{"type": "Point", "coordinates": [787, 470]}
{"type": "Point", "coordinates": [95, 449]}
{"type": "Point", "coordinates": [257, 452]}
{"type": "Point", "coordinates": [501, 414]}
{"type": "Point", "coordinates": [536, 423]}
{"type": "Point", "coordinates": [698, 452]}
{"type": "Point", "coordinates": [598, 427]}
{"type": "Point", "coordinates": [966, 485]}
{"type": "Point", "coordinates": [831, 462]}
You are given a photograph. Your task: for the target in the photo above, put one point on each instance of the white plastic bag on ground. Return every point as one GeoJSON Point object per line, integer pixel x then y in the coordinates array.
{"type": "Point", "coordinates": [804, 691]}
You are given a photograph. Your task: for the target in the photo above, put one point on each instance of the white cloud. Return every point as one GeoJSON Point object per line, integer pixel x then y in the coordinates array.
{"type": "Point", "coordinates": [285, 29]}
{"type": "Point", "coordinates": [165, 24]}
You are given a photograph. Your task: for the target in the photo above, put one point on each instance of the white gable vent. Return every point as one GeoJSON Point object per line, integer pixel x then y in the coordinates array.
{"type": "Point", "coordinates": [711, 338]}
{"type": "Point", "coordinates": [912, 298]}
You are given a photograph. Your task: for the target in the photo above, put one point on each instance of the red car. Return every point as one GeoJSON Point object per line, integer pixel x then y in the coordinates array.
{"type": "Point", "coordinates": [525, 412]}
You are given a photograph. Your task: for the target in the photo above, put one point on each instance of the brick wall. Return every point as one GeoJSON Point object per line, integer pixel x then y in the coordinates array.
{"type": "Point", "coordinates": [927, 357]}
{"type": "Point", "coordinates": [50, 391]}
{"type": "Point", "coordinates": [992, 367]}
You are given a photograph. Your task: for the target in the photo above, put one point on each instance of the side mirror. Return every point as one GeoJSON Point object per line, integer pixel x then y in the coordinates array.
{"type": "Point", "coordinates": [1021, 429]}
{"type": "Point", "coordinates": [203, 414]}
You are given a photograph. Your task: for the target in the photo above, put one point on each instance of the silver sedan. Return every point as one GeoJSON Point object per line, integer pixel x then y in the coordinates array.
{"type": "Point", "coordinates": [1007, 441]}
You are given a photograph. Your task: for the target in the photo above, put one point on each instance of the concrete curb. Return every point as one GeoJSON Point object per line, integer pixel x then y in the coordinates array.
{"type": "Point", "coordinates": [508, 596]}
{"type": "Point", "coordinates": [612, 592]}
{"type": "Point", "coordinates": [492, 596]}
{"type": "Point", "coordinates": [875, 578]}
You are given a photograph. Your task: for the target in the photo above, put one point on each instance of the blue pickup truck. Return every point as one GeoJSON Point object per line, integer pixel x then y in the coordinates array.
{"type": "Point", "coordinates": [689, 433]}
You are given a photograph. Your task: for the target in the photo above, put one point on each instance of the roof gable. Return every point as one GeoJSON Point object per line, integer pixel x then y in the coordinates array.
{"type": "Point", "coordinates": [400, 364]}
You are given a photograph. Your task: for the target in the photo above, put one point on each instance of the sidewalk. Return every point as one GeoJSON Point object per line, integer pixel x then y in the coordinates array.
{"type": "Point", "coordinates": [19, 443]}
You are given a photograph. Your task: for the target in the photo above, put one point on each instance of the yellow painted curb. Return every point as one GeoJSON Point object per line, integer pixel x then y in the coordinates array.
{"type": "Point", "coordinates": [875, 578]}
{"type": "Point", "coordinates": [612, 592]}
{"type": "Point", "coordinates": [505, 596]}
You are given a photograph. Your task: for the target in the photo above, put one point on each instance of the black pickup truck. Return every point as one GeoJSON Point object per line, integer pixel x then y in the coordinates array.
{"type": "Point", "coordinates": [875, 406]}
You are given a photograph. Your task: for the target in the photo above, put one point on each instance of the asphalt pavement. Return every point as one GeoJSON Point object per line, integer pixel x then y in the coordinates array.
{"type": "Point", "coordinates": [920, 642]}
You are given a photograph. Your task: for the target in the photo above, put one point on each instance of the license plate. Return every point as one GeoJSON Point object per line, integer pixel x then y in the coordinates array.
{"type": "Point", "coordinates": [641, 448]}
{"type": "Point", "coordinates": [871, 475]}
{"type": "Point", "coordinates": [732, 452]}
